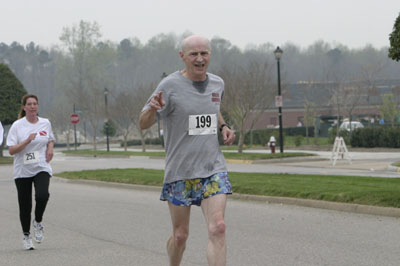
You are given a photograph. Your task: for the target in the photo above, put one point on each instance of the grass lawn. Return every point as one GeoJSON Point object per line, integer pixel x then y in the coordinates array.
{"type": "Point", "coordinates": [360, 190]}
{"type": "Point", "coordinates": [114, 153]}
{"type": "Point", "coordinates": [228, 155]}
{"type": "Point", "coordinates": [6, 160]}
{"type": "Point", "coordinates": [397, 164]}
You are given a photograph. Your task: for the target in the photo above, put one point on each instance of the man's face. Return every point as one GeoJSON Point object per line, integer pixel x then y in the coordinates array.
{"type": "Point", "coordinates": [196, 56]}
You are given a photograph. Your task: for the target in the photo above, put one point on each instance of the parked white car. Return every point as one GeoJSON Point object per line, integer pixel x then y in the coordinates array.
{"type": "Point", "coordinates": [354, 124]}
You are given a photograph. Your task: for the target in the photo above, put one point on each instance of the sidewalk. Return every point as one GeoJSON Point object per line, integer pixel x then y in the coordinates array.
{"type": "Point", "coordinates": [368, 161]}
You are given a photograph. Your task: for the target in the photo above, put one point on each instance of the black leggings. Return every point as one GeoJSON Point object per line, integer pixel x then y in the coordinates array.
{"type": "Point", "coordinates": [41, 182]}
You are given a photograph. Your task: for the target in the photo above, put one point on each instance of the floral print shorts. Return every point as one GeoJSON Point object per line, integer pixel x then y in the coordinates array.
{"type": "Point", "coordinates": [193, 191]}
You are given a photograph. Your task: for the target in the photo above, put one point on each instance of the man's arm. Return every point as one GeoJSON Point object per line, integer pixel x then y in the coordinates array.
{"type": "Point", "coordinates": [228, 135]}
{"type": "Point", "coordinates": [148, 117]}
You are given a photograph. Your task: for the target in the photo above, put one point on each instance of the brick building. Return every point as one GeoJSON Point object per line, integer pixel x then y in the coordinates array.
{"type": "Point", "coordinates": [361, 100]}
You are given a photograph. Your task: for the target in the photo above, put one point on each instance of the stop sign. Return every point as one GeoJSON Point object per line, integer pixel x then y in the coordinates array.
{"type": "Point", "coordinates": [74, 118]}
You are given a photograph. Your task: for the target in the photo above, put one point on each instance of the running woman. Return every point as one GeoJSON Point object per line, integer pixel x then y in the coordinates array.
{"type": "Point", "coordinates": [31, 141]}
{"type": "Point", "coordinates": [188, 102]}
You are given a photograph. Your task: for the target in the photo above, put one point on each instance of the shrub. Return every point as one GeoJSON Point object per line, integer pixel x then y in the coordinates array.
{"type": "Point", "coordinates": [298, 140]}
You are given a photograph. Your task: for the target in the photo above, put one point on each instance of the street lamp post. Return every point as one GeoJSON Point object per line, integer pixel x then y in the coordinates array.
{"type": "Point", "coordinates": [278, 53]}
{"type": "Point", "coordinates": [107, 122]}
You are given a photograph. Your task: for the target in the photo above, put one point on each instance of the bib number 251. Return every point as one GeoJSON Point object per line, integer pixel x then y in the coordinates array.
{"type": "Point", "coordinates": [31, 157]}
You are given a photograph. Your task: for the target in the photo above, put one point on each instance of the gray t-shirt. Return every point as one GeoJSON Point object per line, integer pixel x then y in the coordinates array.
{"type": "Point", "coordinates": [192, 149]}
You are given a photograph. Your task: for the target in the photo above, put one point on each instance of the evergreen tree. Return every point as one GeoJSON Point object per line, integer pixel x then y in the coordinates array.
{"type": "Point", "coordinates": [112, 131]}
{"type": "Point", "coordinates": [11, 91]}
{"type": "Point", "coordinates": [394, 49]}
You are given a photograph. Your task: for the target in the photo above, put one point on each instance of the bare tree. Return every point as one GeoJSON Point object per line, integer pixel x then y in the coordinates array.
{"type": "Point", "coordinates": [124, 110]}
{"type": "Point", "coordinates": [248, 90]}
{"type": "Point", "coordinates": [369, 75]}
{"type": "Point", "coordinates": [141, 95]}
{"type": "Point", "coordinates": [388, 109]}
{"type": "Point", "coordinates": [59, 116]}
{"type": "Point", "coordinates": [309, 116]}
{"type": "Point", "coordinates": [86, 70]}
{"type": "Point", "coordinates": [351, 99]}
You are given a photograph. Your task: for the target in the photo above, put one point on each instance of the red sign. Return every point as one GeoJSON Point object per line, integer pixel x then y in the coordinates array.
{"type": "Point", "coordinates": [74, 118]}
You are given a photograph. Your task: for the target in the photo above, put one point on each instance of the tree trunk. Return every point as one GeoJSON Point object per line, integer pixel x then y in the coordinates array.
{"type": "Point", "coordinates": [142, 140]}
{"type": "Point", "coordinates": [94, 142]}
{"type": "Point", "coordinates": [126, 142]}
{"type": "Point", "coordinates": [241, 140]}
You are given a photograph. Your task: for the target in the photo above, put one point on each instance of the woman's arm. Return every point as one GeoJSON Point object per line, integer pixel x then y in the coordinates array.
{"type": "Point", "coordinates": [49, 151]}
{"type": "Point", "coordinates": [20, 146]}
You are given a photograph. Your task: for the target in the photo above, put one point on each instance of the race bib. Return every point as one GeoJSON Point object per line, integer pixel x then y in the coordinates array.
{"type": "Point", "coordinates": [31, 157]}
{"type": "Point", "coordinates": [203, 124]}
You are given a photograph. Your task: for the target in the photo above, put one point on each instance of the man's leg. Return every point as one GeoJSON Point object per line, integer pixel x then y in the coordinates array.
{"type": "Point", "coordinates": [214, 213]}
{"type": "Point", "coordinates": [180, 217]}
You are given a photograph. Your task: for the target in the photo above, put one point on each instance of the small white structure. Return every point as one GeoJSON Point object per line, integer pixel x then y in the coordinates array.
{"type": "Point", "coordinates": [339, 151]}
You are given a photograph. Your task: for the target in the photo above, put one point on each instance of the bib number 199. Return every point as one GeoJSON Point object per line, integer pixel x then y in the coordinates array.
{"type": "Point", "coordinates": [205, 124]}
{"type": "Point", "coordinates": [203, 121]}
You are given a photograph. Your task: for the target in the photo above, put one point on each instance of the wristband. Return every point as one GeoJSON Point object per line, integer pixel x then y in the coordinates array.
{"type": "Point", "coordinates": [222, 126]}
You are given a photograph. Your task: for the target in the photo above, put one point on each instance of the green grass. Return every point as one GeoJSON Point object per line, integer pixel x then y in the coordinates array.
{"type": "Point", "coordinates": [114, 153]}
{"type": "Point", "coordinates": [228, 155]}
{"type": "Point", "coordinates": [349, 189]}
{"type": "Point", "coordinates": [263, 156]}
{"type": "Point", "coordinates": [6, 160]}
{"type": "Point", "coordinates": [397, 164]}
{"type": "Point", "coordinates": [289, 141]}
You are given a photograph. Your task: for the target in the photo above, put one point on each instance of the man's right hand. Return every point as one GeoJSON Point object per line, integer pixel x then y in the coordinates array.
{"type": "Point", "coordinates": [147, 117]}
{"type": "Point", "coordinates": [157, 102]}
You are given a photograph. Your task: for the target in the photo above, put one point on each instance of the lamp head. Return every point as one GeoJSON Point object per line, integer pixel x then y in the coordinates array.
{"type": "Point", "coordinates": [278, 53]}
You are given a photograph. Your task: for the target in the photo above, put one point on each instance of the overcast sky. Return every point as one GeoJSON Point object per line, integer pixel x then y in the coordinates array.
{"type": "Point", "coordinates": [354, 23]}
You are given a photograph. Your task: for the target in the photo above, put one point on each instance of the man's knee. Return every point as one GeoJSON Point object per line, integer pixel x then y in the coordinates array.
{"type": "Point", "coordinates": [180, 237]}
{"type": "Point", "coordinates": [217, 229]}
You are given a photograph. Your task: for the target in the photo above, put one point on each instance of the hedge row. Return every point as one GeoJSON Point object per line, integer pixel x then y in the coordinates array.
{"type": "Point", "coordinates": [370, 137]}
{"type": "Point", "coordinates": [138, 142]}
{"type": "Point", "coordinates": [255, 137]}
{"type": "Point", "coordinates": [262, 136]}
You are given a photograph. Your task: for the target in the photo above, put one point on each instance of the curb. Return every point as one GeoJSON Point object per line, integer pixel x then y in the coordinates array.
{"type": "Point", "coordinates": [336, 206]}
{"type": "Point", "coordinates": [320, 204]}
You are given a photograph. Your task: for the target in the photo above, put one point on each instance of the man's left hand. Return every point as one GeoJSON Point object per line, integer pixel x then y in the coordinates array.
{"type": "Point", "coordinates": [228, 135]}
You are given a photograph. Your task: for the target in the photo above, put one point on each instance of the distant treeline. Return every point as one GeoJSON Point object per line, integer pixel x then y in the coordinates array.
{"type": "Point", "coordinates": [85, 62]}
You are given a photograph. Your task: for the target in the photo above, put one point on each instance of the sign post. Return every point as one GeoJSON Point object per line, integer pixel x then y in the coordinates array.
{"type": "Point", "coordinates": [74, 119]}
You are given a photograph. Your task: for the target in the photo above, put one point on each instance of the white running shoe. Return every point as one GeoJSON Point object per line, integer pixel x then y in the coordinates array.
{"type": "Point", "coordinates": [28, 244]}
{"type": "Point", "coordinates": [37, 231]}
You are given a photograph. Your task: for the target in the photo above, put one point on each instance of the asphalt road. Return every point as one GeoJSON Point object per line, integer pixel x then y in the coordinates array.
{"type": "Point", "coordinates": [104, 225]}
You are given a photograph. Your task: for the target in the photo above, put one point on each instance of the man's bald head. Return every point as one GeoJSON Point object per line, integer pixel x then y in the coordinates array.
{"type": "Point", "coordinates": [194, 40]}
